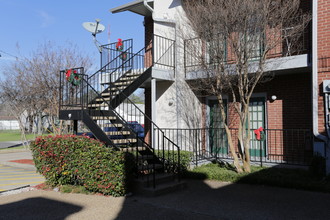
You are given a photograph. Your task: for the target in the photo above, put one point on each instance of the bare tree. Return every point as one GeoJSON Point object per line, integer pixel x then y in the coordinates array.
{"type": "Point", "coordinates": [229, 55]}
{"type": "Point", "coordinates": [32, 84]}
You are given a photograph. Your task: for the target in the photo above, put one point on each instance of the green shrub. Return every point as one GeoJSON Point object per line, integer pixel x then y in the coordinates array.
{"type": "Point", "coordinates": [172, 156]}
{"type": "Point", "coordinates": [81, 161]}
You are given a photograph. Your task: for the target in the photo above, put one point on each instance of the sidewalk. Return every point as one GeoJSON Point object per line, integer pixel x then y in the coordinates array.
{"type": "Point", "coordinates": [201, 200]}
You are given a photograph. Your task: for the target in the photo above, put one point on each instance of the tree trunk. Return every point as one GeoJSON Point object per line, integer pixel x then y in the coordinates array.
{"type": "Point", "coordinates": [232, 150]}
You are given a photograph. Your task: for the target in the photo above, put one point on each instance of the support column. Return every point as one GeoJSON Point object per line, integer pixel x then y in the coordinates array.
{"type": "Point", "coordinates": [75, 126]}
{"type": "Point", "coordinates": [153, 111]}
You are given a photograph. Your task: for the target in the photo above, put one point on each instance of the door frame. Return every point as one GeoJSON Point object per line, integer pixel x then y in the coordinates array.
{"type": "Point", "coordinates": [264, 96]}
{"type": "Point", "coordinates": [208, 111]}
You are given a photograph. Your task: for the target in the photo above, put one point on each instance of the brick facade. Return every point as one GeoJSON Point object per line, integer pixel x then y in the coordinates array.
{"type": "Point", "coordinates": [323, 54]}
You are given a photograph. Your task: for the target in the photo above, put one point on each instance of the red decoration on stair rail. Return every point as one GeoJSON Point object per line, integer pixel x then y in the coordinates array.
{"type": "Point", "coordinates": [119, 45]}
{"type": "Point", "coordinates": [257, 132]}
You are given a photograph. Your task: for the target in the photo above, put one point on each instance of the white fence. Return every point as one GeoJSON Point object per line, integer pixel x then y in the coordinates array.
{"type": "Point", "coordinates": [9, 125]}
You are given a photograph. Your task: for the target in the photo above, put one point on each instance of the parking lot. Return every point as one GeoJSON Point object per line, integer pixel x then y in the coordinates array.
{"type": "Point", "coordinates": [15, 172]}
{"type": "Point", "coordinates": [13, 177]}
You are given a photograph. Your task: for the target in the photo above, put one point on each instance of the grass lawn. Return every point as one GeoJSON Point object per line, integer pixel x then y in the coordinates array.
{"type": "Point", "coordinates": [13, 135]}
{"type": "Point", "coordinates": [272, 176]}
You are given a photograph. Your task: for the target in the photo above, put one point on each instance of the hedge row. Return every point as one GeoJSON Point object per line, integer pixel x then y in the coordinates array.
{"type": "Point", "coordinates": [80, 160]}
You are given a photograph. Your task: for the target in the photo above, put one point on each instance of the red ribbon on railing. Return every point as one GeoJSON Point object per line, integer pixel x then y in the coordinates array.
{"type": "Point", "coordinates": [257, 132]}
{"type": "Point", "coordinates": [119, 45]}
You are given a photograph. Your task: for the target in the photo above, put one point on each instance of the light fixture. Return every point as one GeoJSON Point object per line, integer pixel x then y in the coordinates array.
{"type": "Point", "coordinates": [170, 102]}
{"type": "Point", "coordinates": [273, 97]}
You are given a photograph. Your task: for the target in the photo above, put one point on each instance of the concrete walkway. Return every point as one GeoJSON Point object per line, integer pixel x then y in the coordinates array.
{"type": "Point", "coordinates": [201, 200]}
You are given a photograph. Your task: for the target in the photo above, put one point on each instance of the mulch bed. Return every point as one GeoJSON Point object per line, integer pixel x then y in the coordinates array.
{"type": "Point", "coordinates": [23, 161]}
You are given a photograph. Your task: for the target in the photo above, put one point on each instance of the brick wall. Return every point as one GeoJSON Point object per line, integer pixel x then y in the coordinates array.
{"type": "Point", "coordinates": [148, 37]}
{"type": "Point", "coordinates": [323, 53]}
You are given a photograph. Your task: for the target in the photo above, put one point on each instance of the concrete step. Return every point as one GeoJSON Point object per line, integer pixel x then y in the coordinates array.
{"type": "Point", "coordinates": [98, 105]}
{"type": "Point", "coordinates": [150, 167]}
{"type": "Point", "coordinates": [162, 188]}
{"type": "Point", "coordinates": [160, 178]}
{"type": "Point", "coordinates": [124, 141]}
{"type": "Point", "coordinates": [104, 117]}
{"type": "Point", "coordinates": [116, 125]}
{"type": "Point", "coordinates": [131, 149]}
{"type": "Point", "coordinates": [103, 99]}
{"type": "Point", "coordinates": [106, 94]}
{"type": "Point", "coordinates": [117, 133]}
{"type": "Point", "coordinates": [125, 83]}
{"type": "Point", "coordinates": [129, 78]}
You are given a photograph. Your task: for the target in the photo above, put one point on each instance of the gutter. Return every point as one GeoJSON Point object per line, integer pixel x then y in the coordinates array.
{"type": "Point", "coordinates": [315, 76]}
{"type": "Point", "coordinates": [160, 20]}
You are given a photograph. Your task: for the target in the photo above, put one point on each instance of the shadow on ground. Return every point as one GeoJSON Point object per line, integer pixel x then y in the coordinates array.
{"type": "Point", "coordinates": [37, 208]}
{"type": "Point", "coordinates": [216, 200]}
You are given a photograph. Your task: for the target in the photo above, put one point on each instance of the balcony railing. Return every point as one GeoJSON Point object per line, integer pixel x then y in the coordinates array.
{"type": "Point", "coordinates": [198, 51]}
{"type": "Point", "coordinates": [280, 146]}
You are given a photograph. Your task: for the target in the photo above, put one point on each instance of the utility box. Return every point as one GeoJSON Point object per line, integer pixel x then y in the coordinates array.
{"type": "Point", "coordinates": [319, 148]}
{"type": "Point", "coordinates": [326, 86]}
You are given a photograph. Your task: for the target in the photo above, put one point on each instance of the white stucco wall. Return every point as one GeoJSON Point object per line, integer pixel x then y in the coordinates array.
{"type": "Point", "coordinates": [185, 112]}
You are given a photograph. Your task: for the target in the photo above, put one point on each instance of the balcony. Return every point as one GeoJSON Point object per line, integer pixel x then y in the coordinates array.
{"type": "Point", "coordinates": [158, 54]}
{"type": "Point", "coordinates": [289, 55]}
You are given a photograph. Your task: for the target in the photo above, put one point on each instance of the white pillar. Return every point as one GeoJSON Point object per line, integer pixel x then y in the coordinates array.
{"type": "Point", "coordinates": [153, 111]}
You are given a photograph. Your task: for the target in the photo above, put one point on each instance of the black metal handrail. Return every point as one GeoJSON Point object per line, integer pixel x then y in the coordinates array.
{"type": "Point", "coordinates": [280, 146]}
{"type": "Point", "coordinates": [71, 93]}
{"type": "Point", "coordinates": [105, 79]}
{"type": "Point", "coordinates": [163, 52]}
{"type": "Point", "coordinates": [197, 50]}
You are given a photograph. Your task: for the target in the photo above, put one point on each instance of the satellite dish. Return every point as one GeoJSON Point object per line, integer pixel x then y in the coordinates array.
{"type": "Point", "coordinates": [94, 27]}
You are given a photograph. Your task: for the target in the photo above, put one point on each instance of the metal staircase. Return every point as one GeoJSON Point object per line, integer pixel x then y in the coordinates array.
{"type": "Point", "coordinates": [99, 101]}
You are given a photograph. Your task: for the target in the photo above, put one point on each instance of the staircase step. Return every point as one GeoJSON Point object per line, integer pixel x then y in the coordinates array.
{"type": "Point", "coordinates": [150, 167]}
{"type": "Point", "coordinates": [104, 117]}
{"type": "Point", "coordinates": [144, 181]}
{"type": "Point", "coordinates": [146, 157]}
{"type": "Point", "coordinates": [106, 94]}
{"type": "Point", "coordinates": [162, 188]}
{"type": "Point", "coordinates": [102, 99]}
{"type": "Point", "coordinates": [125, 83]}
{"type": "Point", "coordinates": [98, 105]}
{"type": "Point", "coordinates": [117, 133]}
{"type": "Point", "coordinates": [131, 149]}
{"type": "Point", "coordinates": [129, 78]}
{"type": "Point", "coordinates": [124, 141]}
{"type": "Point", "coordinates": [117, 88]}
{"type": "Point", "coordinates": [116, 125]}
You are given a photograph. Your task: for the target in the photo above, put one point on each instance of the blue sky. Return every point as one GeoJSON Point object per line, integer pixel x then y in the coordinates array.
{"type": "Point", "coordinates": [31, 23]}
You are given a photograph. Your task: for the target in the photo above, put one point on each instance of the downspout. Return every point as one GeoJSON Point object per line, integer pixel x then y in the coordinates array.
{"type": "Point", "coordinates": [315, 76]}
{"type": "Point", "coordinates": [175, 55]}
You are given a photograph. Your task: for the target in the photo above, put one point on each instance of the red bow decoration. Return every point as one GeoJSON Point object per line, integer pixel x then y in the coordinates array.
{"type": "Point", "coordinates": [68, 74]}
{"type": "Point", "coordinates": [119, 45]}
{"type": "Point", "coordinates": [257, 132]}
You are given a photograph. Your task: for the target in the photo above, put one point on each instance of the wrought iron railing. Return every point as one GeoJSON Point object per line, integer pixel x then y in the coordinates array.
{"type": "Point", "coordinates": [107, 80]}
{"type": "Point", "coordinates": [72, 94]}
{"type": "Point", "coordinates": [110, 51]}
{"type": "Point", "coordinates": [163, 52]}
{"type": "Point", "coordinates": [198, 51]}
{"type": "Point", "coordinates": [280, 146]}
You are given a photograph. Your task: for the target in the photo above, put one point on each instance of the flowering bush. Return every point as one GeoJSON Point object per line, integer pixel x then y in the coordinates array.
{"type": "Point", "coordinates": [79, 160]}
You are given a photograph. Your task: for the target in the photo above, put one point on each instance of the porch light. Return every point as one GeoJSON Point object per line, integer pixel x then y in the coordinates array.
{"type": "Point", "coordinates": [170, 102]}
{"type": "Point", "coordinates": [273, 97]}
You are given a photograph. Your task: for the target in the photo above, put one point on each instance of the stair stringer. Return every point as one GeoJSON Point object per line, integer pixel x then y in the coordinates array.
{"type": "Point", "coordinates": [118, 99]}
{"type": "Point", "coordinates": [96, 130]}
